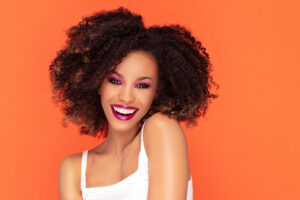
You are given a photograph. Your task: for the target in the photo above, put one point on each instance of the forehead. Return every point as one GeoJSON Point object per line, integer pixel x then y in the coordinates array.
{"type": "Point", "coordinates": [138, 63]}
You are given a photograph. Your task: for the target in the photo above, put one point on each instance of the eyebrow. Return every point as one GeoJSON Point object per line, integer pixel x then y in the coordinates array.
{"type": "Point", "coordinates": [141, 78]}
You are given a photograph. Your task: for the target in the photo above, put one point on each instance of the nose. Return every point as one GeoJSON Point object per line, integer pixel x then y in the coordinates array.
{"type": "Point", "coordinates": [126, 95]}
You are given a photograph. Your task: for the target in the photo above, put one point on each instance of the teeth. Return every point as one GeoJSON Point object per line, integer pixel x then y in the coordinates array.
{"type": "Point", "coordinates": [124, 111]}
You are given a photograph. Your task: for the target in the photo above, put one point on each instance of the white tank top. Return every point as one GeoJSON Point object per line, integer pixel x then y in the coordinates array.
{"type": "Point", "coordinates": [133, 187]}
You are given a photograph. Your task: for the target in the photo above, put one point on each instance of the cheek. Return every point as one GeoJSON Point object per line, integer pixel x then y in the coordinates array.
{"type": "Point", "coordinates": [107, 97]}
{"type": "Point", "coordinates": [147, 99]}
{"type": "Point", "coordinates": [106, 90]}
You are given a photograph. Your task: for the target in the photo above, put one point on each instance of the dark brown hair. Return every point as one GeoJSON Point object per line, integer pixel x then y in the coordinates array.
{"type": "Point", "coordinates": [99, 42]}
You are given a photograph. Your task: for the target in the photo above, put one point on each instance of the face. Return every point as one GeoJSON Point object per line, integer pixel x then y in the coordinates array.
{"type": "Point", "coordinates": [128, 92]}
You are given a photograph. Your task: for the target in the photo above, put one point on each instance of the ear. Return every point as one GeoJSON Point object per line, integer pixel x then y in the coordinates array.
{"type": "Point", "coordinates": [99, 90]}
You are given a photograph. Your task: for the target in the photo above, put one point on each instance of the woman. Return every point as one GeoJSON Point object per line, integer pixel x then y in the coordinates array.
{"type": "Point", "coordinates": [133, 85]}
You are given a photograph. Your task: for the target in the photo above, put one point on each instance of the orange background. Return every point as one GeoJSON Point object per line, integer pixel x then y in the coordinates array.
{"type": "Point", "coordinates": [246, 147]}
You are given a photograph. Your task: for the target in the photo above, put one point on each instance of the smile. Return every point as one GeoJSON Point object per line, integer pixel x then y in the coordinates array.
{"type": "Point", "coordinates": [123, 112]}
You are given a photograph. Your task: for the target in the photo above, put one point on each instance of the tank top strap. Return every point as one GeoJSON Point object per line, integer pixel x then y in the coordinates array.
{"type": "Point", "coordinates": [143, 160]}
{"type": "Point", "coordinates": [142, 135]}
{"type": "Point", "coordinates": [83, 169]}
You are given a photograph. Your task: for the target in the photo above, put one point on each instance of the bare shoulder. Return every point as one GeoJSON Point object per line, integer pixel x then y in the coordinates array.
{"type": "Point", "coordinates": [72, 163]}
{"type": "Point", "coordinates": [69, 177]}
{"type": "Point", "coordinates": [161, 128]}
{"type": "Point", "coordinates": [165, 135]}
{"type": "Point", "coordinates": [166, 148]}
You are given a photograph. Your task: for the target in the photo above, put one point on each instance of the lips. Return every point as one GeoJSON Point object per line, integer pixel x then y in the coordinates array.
{"type": "Point", "coordinates": [123, 106]}
{"type": "Point", "coordinates": [121, 116]}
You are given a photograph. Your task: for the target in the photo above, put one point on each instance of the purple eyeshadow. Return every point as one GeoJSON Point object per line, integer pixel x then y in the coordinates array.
{"type": "Point", "coordinates": [146, 83]}
{"type": "Point", "coordinates": [113, 77]}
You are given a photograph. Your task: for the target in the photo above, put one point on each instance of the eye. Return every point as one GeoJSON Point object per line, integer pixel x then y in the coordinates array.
{"type": "Point", "coordinates": [142, 85]}
{"type": "Point", "coordinates": [114, 81]}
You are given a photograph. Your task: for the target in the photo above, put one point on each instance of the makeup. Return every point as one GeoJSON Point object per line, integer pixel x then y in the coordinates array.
{"type": "Point", "coordinates": [141, 84]}
{"type": "Point", "coordinates": [122, 116]}
{"type": "Point", "coordinates": [112, 78]}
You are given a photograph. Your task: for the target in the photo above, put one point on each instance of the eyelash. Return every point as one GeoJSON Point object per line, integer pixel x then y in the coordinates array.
{"type": "Point", "coordinates": [112, 80]}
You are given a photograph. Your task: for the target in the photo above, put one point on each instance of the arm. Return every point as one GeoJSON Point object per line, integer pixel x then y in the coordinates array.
{"type": "Point", "coordinates": [168, 163]}
{"type": "Point", "coordinates": [68, 190]}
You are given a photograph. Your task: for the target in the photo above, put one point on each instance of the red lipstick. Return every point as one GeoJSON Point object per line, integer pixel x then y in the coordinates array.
{"type": "Point", "coordinates": [123, 106]}
{"type": "Point", "coordinates": [121, 116]}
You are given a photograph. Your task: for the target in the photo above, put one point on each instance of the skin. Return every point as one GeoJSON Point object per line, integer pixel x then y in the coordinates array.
{"type": "Point", "coordinates": [117, 157]}
{"type": "Point", "coordinates": [128, 91]}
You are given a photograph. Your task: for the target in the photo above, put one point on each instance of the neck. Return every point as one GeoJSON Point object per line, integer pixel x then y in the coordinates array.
{"type": "Point", "coordinates": [118, 142]}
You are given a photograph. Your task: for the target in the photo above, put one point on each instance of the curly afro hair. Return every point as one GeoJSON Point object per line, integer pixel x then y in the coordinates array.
{"type": "Point", "coordinates": [97, 45]}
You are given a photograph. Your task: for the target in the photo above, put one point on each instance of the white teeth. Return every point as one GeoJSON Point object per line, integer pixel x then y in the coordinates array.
{"type": "Point", "coordinates": [124, 111]}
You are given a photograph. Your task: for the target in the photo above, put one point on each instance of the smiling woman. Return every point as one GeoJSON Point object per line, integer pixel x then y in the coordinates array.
{"type": "Point", "coordinates": [133, 82]}
{"type": "Point", "coordinates": [113, 76]}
